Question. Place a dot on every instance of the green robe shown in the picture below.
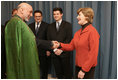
(21, 51)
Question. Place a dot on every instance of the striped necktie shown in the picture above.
(37, 27)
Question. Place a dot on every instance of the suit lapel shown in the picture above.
(40, 27)
(60, 27)
(55, 29)
(33, 27)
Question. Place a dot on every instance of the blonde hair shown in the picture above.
(88, 12)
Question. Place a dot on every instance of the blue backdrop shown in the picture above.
(105, 21)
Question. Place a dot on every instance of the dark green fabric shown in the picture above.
(21, 51)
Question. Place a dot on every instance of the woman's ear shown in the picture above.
(87, 19)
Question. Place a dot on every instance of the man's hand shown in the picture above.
(48, 53)
(58, 51)
(81, 74)
(56, 44)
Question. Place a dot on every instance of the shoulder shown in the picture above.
(32, 23)
(93, 30)
(76, 33)
(66, 22)
(44, 23)
(15, 20)
(52, 24)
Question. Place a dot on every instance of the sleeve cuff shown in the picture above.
(83, 71)
(51, 43)
(60, 46)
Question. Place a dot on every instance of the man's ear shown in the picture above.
(62, 14)
(21, 10)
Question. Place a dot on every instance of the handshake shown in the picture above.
(55, 47)
(56, 44)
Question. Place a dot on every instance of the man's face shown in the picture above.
(57, 15)
(38, 17)
(27, 13)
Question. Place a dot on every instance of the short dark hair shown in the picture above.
(58, 9)
(37, 11)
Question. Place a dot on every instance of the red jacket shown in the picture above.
(86, 44)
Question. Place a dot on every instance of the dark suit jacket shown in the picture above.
(64, 34)
(41, 35)
(3, 53)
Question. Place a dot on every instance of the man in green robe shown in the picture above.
(21, 50)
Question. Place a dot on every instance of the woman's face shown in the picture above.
(81, 19)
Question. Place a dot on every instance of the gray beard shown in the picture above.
(26, 20)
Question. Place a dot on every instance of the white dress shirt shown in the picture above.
(38, 25)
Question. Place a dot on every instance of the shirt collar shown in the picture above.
(85, 25)
(86, 28)
(36, 24)
(59, 21)
(17, 16)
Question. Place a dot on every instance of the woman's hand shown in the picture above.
(81, 74)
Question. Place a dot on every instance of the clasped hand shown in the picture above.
(56, 44)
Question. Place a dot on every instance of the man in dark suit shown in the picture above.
(3, 53)
(39, 28)
(60, 31)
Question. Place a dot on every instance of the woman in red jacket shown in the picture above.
(86, 44)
